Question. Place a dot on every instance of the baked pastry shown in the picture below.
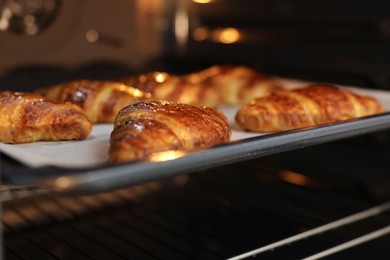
(214, 86)
(100, 100)
(311, 105)
(236, 84)
(27, 117)
(165, 86)
(149, 127)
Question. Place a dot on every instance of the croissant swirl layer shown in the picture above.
(312, 105)
(27, 117)
(149, 127)
(100, 100)
(214, 86)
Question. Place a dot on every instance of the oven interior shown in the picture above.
(228, 211)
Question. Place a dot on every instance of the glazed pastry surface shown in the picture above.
(145, 128)
(100, 100)
(28, 117)
(312, 105)
(214, 86)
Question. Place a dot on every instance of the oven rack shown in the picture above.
(184, 218)
(369, 213)
(11, 192)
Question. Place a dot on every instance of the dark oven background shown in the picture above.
(226, 211)
(335, 41)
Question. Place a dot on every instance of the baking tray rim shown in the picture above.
(112, 176)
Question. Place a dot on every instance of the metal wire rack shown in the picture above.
(194, 217)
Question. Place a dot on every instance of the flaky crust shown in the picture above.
(27, 117)
(149, 127)
(100, 100)
(312, 105)
(214, 86)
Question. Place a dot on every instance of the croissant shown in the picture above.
(100, 100)
(214, 86)
(311, 105)
(236, 84)
(28, 117)
(164, 86)
(150, 127)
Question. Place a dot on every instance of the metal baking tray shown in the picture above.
(111, 176)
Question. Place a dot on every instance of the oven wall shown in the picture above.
(74, 33)
(344, 42)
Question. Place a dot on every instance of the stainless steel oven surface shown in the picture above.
(314, 193)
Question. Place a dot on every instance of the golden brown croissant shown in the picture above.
(27, 117)
(100, 100)
(164, 86)
(155, 126)
(214, 86)
(311, 105)
(236, 84)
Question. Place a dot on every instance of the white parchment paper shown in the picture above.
(73, 154)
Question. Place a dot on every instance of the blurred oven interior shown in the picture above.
(329, 200)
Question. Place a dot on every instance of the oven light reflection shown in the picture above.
(227, 35)
(63, 183)
(181, 24)
(166, 155)
(92, 36)
(294, 178)
(5, 18)
(160, 77)
(133, 91)
(201, 33)
(202, 1)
